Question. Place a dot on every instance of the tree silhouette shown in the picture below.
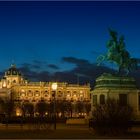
(8, 110)
(41, 108)
(28, 109)
(111, 117)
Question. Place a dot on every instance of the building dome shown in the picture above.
(113, 81)
(13, 70)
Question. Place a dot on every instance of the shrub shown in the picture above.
(112, 118)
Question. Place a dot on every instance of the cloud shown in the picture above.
(85, 67)
(31, 65)
(35, 65)
(53, 66)
(27, 72)
(88, 72)
(33, 75)
(83, 72)
(44, 76)
(75, 61)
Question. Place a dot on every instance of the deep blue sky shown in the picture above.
(33, 33)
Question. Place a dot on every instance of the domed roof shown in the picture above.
(13, 70)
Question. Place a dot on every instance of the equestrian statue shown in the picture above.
(118, 54)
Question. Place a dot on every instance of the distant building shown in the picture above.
(13, 86)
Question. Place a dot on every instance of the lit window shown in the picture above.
(37, 94)
(30, 94)
(4, 84)
(81, 91)
(22, 90)
(23, 94)
(18, 112)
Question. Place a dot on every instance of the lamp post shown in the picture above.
(54, 88)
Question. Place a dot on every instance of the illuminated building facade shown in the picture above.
(13, 86)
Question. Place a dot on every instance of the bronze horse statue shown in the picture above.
(118, 54)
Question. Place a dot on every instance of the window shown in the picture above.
(59, 95)
(30, 94)
(37, 93)
(46, 95)
(22, 90)
(123, 99)
(102, 99)
(94, 99)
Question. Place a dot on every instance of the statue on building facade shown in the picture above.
(118, 54)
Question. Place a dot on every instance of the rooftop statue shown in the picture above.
(118, 54)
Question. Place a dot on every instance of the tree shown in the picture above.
(41, 108)
(2, 115)
(87, 106)
(28, 109)
(112, 118)
(1, 106)
(8, 110)
(69, 108)
(79, 106)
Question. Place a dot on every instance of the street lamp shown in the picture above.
(54, 88)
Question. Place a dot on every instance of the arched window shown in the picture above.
(14, 81)
(30, 93)
(60, 94)
(37, 93)
(102, 99)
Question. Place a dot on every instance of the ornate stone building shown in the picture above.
(13, 86)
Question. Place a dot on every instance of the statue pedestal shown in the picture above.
(121, 88)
